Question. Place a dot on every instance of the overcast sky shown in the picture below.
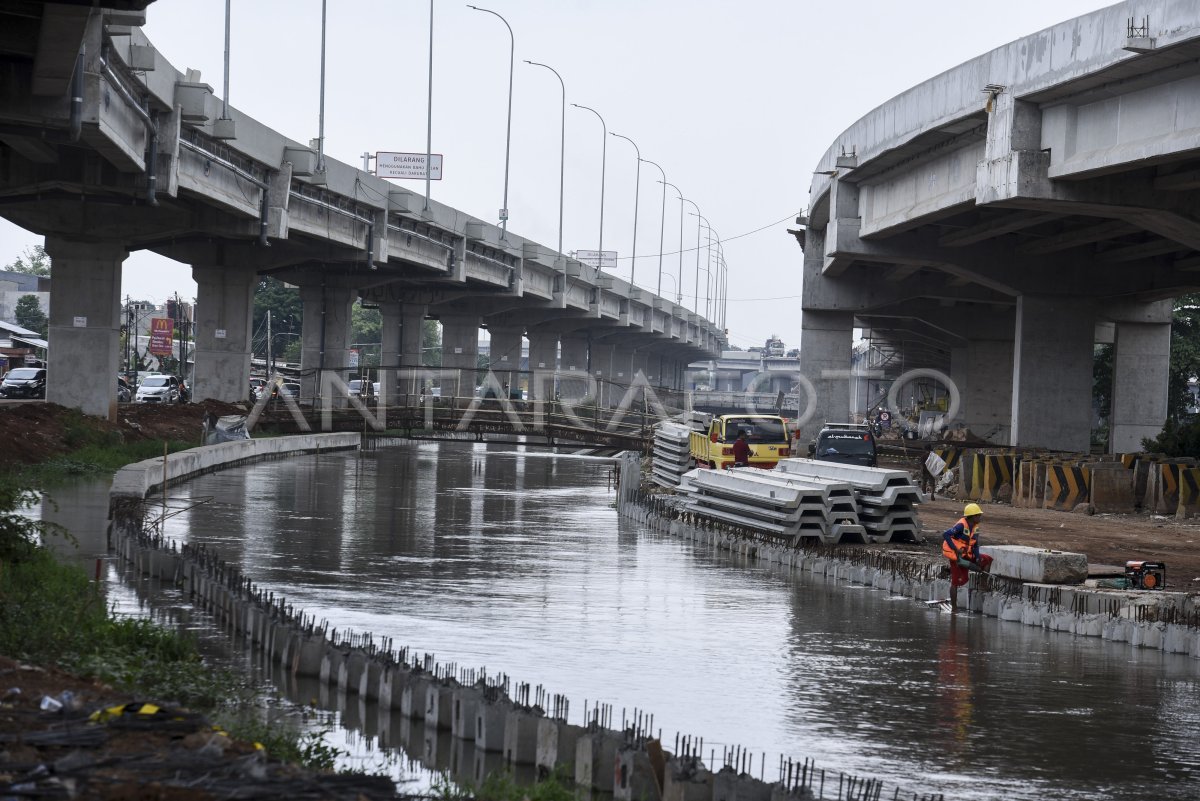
(736, 101)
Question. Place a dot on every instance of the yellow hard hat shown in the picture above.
(972, 509)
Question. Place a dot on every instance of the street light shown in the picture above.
(708, 272)
(661, 220)
(696, 285)
(603, 166)
(512, 47)
(562, 150)
(637, 183)
(678, 289)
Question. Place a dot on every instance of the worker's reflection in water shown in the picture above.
(955, 692)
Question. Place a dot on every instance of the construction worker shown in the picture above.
(741, 451)
(960, 545)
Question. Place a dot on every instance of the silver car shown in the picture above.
(158, 389)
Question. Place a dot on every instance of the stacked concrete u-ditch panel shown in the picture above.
(787, 508)
(672, 450)
(886, 499)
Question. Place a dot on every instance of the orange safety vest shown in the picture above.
(972, 536)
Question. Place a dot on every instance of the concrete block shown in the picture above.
(464, 707)
(491, 718)
(634, 778)
(1111, 487)
(1035, 565)
(595, 758)
(521, 737)
(439, 706)
(413, 697)
(556, 744)
(686, 779)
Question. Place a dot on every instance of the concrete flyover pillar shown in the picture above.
(412, 339)
(1141, 364)
(505, 355)
(85, 325)
(460, 353)
(389, 350)
(603, 357)
(826, 342)
(574, 357)
(543, 361)
(224, 317)
(326, 339)
(1052, 373)
(982, 372)
(400, 355)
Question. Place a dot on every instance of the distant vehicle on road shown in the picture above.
(848, 443)
(158, 388)
(24, 382)
(124, 391)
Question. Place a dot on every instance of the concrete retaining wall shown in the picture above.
(1167, 621)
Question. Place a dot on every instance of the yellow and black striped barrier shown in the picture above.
(1189, 492)
(997, 471)
(1066, 486)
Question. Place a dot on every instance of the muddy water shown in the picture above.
(518, 562)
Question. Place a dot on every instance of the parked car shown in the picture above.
(124, 391)
(291, 388)
(24, 382)
(158, 389)
(849, 443)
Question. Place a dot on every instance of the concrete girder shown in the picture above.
(1075, 237)
(59, 39)
(1020, 180)
(1183, 181)
(1141, 250)
(995, 226)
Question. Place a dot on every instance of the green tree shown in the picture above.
(287, 315)
(1185, 354)
(366, 325)
(431, 344)
(29, 315)
(34, 261)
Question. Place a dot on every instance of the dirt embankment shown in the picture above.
(32, 432)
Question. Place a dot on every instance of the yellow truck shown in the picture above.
(766, 434)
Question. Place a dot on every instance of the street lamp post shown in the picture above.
(662, 217)
(637, 183)
(696, 285)
(562, 150)
(603, 167)
(678, 288)
(707, 262)
(512, 48)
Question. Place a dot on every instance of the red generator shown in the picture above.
(1146, 575)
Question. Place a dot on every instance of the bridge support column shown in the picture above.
(225, 311)
(543, 361)
(460, 352)
(403, 329)
(506, 356)
(602, 370)
(826, 342)
(985, 404)
(1141, 362)
(1052, 374)
(326, 338)
(85, 325)
(575, 359)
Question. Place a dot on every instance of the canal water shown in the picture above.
(491, 556)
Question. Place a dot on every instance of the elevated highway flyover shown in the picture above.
(996, 221)
(106, 148)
